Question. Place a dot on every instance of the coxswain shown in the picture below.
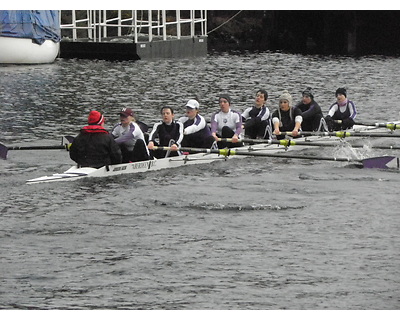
(95, 146)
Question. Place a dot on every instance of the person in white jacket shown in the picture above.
(130, 138)
(196, 132)
(226, 123)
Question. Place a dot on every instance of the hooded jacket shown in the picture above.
(95, 147)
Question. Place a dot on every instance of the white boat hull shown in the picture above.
(24, 51)
(75, 173)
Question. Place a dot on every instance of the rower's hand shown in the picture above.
(150, 145)
(277, 132)
(215, 136)
(235, 138)
(295, 133)
(174, 147)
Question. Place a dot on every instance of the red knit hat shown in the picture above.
(95, 117)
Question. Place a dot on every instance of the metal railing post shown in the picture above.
(150, 25)
(89, 24)
(164, 20)
(94, 26)
(191, 24)
(178, 24)
(74, 37)
(135, 28)
(104, 23)
(119, 23)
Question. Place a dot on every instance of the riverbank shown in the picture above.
(310, 32)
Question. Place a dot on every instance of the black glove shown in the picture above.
(329, 122)
(347, 123)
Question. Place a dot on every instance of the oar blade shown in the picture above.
(3, 151)
(377, 162)
(66, 140)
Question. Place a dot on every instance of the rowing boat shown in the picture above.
(202, 156)
(75, 172)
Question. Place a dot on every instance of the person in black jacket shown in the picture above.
(94, 146)
(310, 111)
(343, 111)
(286, 118)
(166, 133)
(257, 119)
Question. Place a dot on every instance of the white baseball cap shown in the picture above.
(192, 104)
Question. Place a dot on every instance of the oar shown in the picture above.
(4, 149)
(389, 125)
(377, 162)
(65, 142)
(344, 134)
(289, 142)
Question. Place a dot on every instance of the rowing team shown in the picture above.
(129, 141)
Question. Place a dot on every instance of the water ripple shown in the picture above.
(254, 233)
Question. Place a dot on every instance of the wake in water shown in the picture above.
(346, 150)
(227, 207)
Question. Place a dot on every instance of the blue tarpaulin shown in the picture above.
(38, 25)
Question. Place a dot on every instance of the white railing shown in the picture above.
(141, 25)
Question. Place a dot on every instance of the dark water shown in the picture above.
(241, 234)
